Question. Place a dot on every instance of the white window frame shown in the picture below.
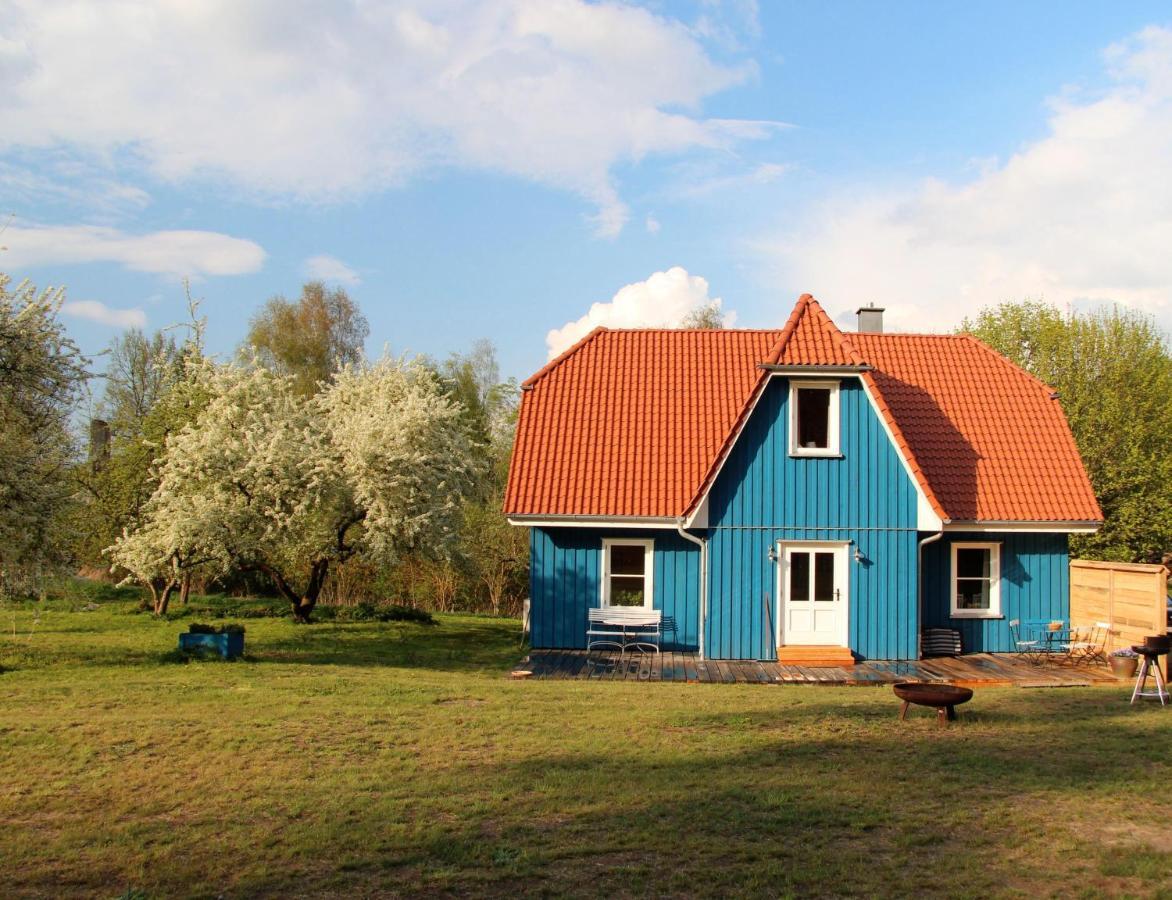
(994, 610)
(648, 545)
(832, 412)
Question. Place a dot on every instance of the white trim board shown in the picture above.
(994, 609)
(648, 545)
(833, 448)
(590, 522)
(1025, 527)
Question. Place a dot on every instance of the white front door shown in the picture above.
(814, 593)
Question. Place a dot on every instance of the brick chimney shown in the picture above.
(870, 318)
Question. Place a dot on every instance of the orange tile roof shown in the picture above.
(626, 423)
(636, 422)
(810, 338)
(991, 440)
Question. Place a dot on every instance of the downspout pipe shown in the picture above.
(703, 545)
(930, 539)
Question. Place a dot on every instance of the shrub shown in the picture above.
(378, 612)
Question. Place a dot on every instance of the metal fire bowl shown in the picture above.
(928, 694)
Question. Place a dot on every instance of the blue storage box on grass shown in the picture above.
(229, 645)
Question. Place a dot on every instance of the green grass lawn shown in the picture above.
(381, 759)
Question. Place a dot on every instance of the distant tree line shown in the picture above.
(298, 469)
(1112, 369)
(303, 470)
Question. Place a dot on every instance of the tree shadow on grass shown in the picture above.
(450, 647)
(892, 811)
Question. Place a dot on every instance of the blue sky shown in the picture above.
(525, 169)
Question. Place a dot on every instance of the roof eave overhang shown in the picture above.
(1040, 526)
(814, 370)
(574, 521)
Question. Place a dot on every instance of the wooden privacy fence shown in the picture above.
(1131, 596)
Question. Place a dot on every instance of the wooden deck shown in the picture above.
(971, 670)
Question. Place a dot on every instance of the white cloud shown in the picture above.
(336, 99)
(652, 225)
(103, 314)
(330, 268)
(1081, 216)
(661, 301)
(178, 253)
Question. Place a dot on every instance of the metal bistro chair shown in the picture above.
(1030, 650)
(1088, 644)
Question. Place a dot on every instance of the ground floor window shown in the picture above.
(976, 580)
(626, 572)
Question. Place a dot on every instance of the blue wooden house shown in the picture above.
(796, 493)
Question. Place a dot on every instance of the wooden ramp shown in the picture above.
(971, 670)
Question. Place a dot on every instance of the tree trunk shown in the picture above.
(185, 589)
(302, 605)
(163, 600)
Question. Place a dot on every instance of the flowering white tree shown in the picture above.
(267, 479)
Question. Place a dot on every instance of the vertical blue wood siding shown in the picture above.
(1035, 584)
(764, 495)
(564, 581)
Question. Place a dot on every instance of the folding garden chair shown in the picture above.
(1031, 650)
(1088, 644)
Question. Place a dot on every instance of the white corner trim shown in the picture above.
(648, 545)
(699, 516)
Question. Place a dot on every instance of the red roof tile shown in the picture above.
(810, 338)
(990, 439)
(635, 423)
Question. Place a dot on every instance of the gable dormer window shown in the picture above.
(813, 418)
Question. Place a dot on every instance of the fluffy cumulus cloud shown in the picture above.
(104, 315)
(1081, 216)
(331, 269)
(661, 301)
(336, 99)
(175, 253)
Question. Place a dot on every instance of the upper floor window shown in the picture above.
(976, 580)
(813, 421)
(626, 572)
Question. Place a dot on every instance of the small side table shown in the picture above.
(1150, 666)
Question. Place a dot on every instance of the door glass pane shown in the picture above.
(626, 590)
(973, 562)
(823, 577)
(627, 559)
(813, 417)
(799, 577)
